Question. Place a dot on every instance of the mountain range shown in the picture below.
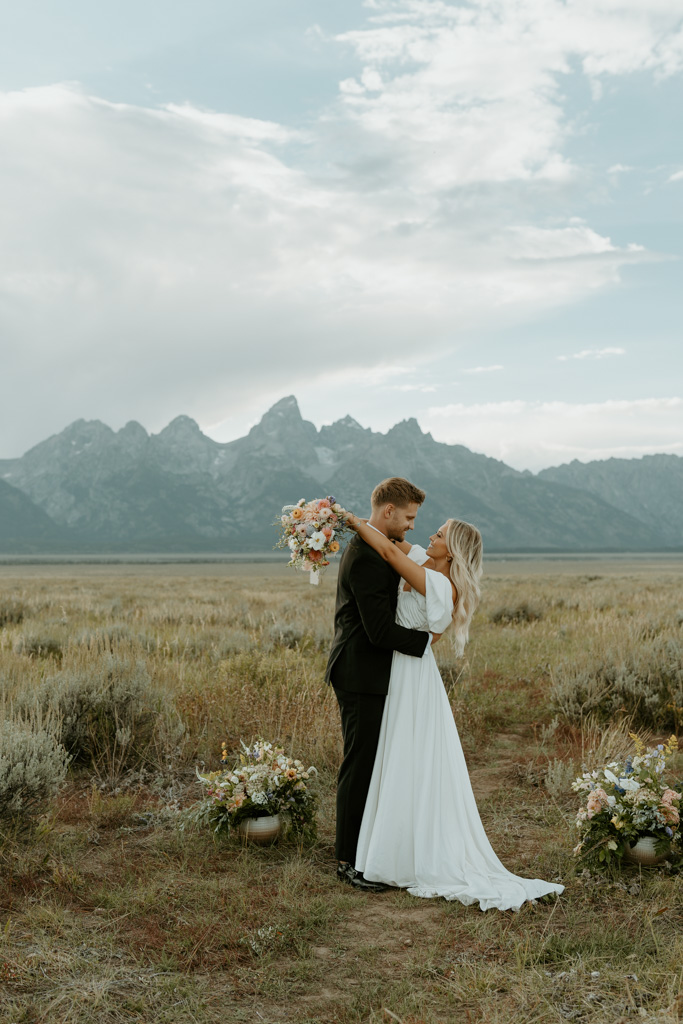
(92, 489)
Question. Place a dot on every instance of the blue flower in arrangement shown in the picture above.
(332, 500)
(669, 831)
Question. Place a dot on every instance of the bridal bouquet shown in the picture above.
(264, 782)
(624, 801)
(310, 529)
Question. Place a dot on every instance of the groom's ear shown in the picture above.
(388, 510)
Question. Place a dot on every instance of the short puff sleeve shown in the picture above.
(439, 600)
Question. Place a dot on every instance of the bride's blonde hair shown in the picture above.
(465, 548)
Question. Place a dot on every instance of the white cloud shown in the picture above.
(165, 259)
(483, 369)
(472, 93)
(677, 176)
(533, 435)
(594, 353)
(159, 259)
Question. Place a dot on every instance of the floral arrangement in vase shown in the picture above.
(311, 531)
(626, 802)
(265, 782)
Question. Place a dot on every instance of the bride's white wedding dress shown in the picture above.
(421, 829)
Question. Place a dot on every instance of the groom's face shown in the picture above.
(400, 520)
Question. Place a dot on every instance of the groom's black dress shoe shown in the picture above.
(347, 873)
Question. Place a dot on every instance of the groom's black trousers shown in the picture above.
(361, 718)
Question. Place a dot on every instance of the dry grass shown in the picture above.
(111, 913)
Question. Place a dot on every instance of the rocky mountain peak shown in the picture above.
(133, 431)
(86, 431)
(181, 426)
(286, 406)
(283, 425)
(348, 421)
(80, 436)
(285, 413)
(406, 428)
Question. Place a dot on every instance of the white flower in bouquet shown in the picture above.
(625, 783)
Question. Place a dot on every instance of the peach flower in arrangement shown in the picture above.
(671, 814)
(596, 802)
(334, 547)
(297, 513)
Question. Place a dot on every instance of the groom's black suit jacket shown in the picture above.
(365, 630)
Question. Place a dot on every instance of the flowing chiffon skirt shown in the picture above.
(421, 829)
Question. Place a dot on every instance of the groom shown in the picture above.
(359, 665)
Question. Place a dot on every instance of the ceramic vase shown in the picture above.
(261, 830)
(643, 852)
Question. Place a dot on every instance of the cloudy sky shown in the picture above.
(466, 212)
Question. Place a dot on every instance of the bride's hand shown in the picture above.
(353, 521)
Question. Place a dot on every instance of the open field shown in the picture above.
(111, 912)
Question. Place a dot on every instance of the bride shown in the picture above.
(421, 829)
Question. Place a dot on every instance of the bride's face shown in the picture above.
(438, 549)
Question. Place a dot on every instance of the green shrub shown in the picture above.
(645, 683)
(33, 766)
(38, 645)
(107, 712)
(522, 612)
(12, 612)
(558, 778)
(236, 641)
(284, 634)
(105, 638)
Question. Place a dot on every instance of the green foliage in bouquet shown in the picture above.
(264, 782)
(624, 801)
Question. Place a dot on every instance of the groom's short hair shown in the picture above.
(396, 491)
